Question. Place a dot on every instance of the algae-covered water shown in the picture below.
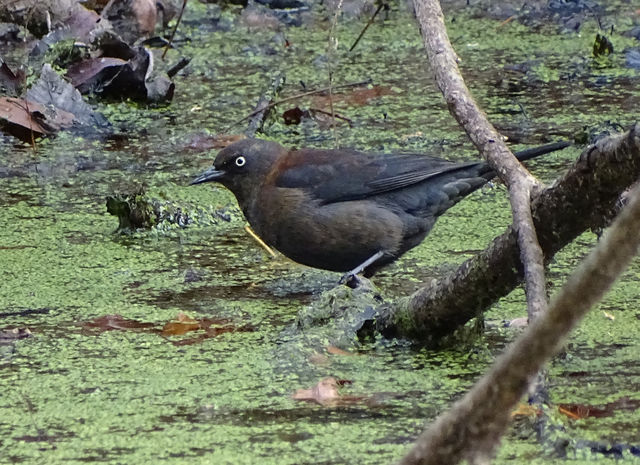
(90, 386)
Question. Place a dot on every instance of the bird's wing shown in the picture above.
(341, 175)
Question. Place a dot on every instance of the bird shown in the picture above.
(341, 209)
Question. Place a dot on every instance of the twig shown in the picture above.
(472, 428)
(175, 28)
(295, 97)
(106, 8)
(33, 139)
(489, 142)
(369, 23)
(263, 109)
(175, 69)
(507, 21)
(579, 200)
(331, 50)
(31, 409)
(335, 115)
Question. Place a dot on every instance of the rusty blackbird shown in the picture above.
(344, 210)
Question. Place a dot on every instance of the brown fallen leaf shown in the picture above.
(580, 411)
(206, 328)
(208, 334)
(337, 351)
(115, 322)
(325, 392)
(83, 73)
(357, 97)
(24, 118)
(181, 325)
(132, 19)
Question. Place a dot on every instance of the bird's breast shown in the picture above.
(336, 236)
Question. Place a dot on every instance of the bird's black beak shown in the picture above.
(212, 174)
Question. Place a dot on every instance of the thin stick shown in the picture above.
(33, 139)
(369, 23)
(336, 115)
(331, 49)
(262, 110)
(295, 97)
(175, 28)
(333, 113)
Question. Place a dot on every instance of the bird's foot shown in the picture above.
(350, 279)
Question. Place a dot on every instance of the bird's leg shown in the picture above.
(350, 278)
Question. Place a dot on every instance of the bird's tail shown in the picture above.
(528, 154)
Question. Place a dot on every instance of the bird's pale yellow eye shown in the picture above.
(240, 161)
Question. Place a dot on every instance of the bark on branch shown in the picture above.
(578, 201)
(472, 428)
(520, 182)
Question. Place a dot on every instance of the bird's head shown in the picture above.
(243, 166)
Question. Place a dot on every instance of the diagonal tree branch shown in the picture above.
(520, 182)
(472, 428)
(576, 202)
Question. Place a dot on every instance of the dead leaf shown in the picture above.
(325, 392)
(84, 73)
(25, 118)
(294, 115)
(10, 82)
(357, 97)
(115, 322)
(182, 325)
(337, 351)
(52, 91)
(132, 19)
(580, 411)
(81, 22)
(209, 327)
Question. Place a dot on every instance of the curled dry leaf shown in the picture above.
(84, 72)
(325, 392)
(24, 119)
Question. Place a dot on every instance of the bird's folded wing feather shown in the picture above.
(352, 175)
